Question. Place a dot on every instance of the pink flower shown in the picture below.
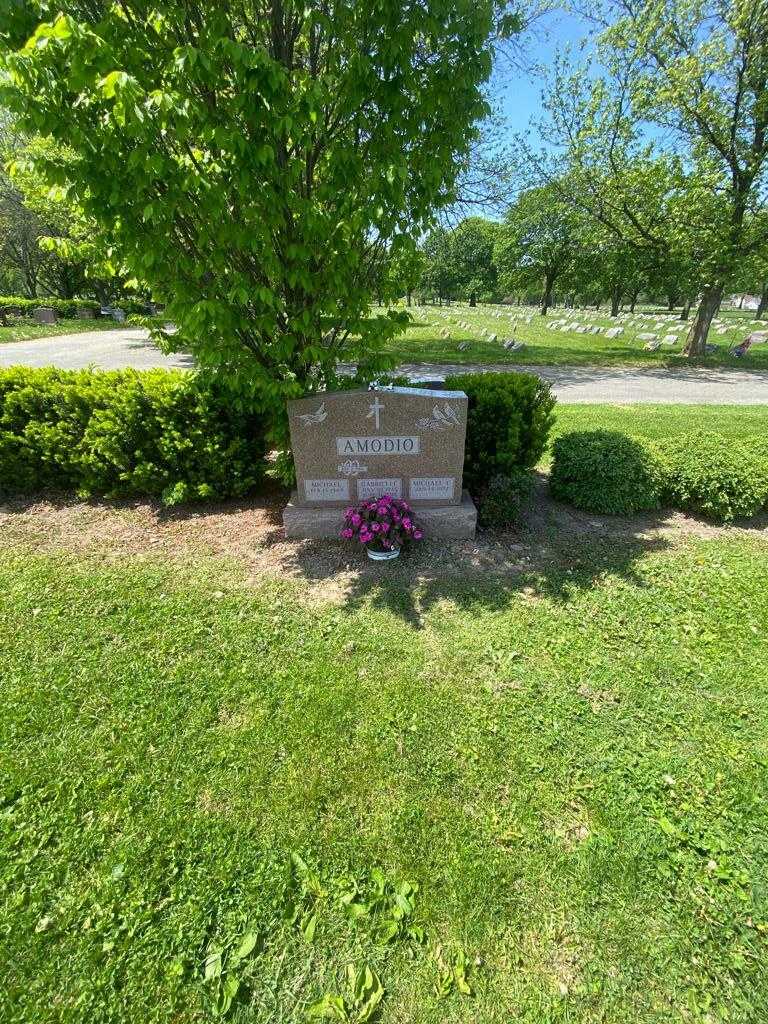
(375, 527)
(355, 519)
(417, 534)
(347, 533)
(385, 527)
(407, 524)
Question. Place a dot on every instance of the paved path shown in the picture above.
(114, 350)
(108, 350)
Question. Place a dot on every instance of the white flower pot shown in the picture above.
(383, 556)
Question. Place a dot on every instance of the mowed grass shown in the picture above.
(568, 764)
(658, 422)
(423, 341)
(26, 330)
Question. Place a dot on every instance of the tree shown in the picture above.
(405, 270)
(695, 191)
(754, 278)
(538, 243)
(438, 276)
(256, 163)
(703, 75)
(618, 268)
(46, 244)
(458, 262)
(471, 251)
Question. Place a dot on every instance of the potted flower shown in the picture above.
(382, 525)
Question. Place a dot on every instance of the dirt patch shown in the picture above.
(554, 537)
(573, 828)
(598, 699)
(563, 966)
(210, 805)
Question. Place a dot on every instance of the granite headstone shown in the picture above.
(351, 445)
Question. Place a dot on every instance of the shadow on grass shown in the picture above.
(557, 555)
(582, 352)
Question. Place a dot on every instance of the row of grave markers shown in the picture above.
(668, 325)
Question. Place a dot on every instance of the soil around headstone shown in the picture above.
(554, 541)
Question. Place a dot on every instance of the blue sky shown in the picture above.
(518, 92)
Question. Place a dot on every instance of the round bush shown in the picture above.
(508, 423)
(606, 471)
(718, 477)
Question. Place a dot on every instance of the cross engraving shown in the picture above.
(376, 406)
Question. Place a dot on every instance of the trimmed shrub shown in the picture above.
(508, 423)
(66, 308)
(157, 432)
(606, 471)
(724, 479)
(505, 499)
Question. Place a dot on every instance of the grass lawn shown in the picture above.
(657, 422)
(545, 346)
(537, 796)
(26, 330)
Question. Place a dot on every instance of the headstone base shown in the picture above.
(450, 522)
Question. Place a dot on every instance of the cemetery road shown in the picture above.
(118, 349)
(130, 347)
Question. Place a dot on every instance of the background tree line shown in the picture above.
(547, 253)
(48, 247)
(652, 175)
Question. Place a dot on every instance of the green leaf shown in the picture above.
(246, 947)
(308, 927)
(110, 83)
(227, 993)
(330, 1006)
(212, 965)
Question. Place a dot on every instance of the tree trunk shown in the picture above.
(546, 300)
(741, 302)
(615, 301)
(686, 310)
(762, 309)
(696, 343)
(408, 298)
(633, 301)
(472, 300)
(30, 282)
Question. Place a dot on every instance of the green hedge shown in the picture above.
(66, 308)
(610, 472)
(155, 432)
(718, 478)
(508, 423)
(605, 471)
